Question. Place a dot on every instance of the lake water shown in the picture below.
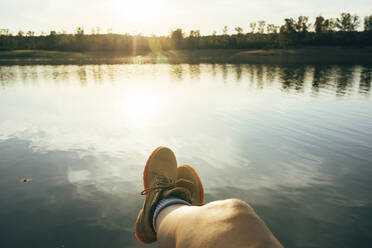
(293, 141)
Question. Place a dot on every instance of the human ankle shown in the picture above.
(175, 210)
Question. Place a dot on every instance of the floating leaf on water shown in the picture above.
(25, 180)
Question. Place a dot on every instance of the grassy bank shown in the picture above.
(298, 55)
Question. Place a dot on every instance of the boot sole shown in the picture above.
(201, 188)
(144, 178)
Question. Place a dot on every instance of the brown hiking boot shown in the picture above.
(188, 174)
(159, 180)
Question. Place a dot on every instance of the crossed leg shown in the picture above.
(226, 223)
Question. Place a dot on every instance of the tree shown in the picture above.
(177, 34)
(30, 33)
(302, 24)
(293, 32)
(261, 27)
(318, 24)
(177, 37)
(239, 30)
(347, 22)
(224, 30)
(368, 23)
(322, 25)
(271, 29)
(214, 40)
(287, 34)
(79, 31)
(252, 26)
(195, 33)
(225, 39)
(289, 26)
(193, 39)
(329, 25)
(4, 31)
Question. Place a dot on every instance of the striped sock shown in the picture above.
(166, 203)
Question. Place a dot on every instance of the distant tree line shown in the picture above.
(341, 31)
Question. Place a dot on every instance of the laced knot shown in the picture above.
(164, 183)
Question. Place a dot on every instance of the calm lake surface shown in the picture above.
(293, 141)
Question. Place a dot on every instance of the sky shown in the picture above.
(160, 16)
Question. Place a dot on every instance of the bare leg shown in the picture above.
(227, 223)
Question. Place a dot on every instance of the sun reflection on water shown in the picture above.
(138, 108)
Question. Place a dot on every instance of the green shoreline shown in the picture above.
(295, 55)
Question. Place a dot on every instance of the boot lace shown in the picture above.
(164, 183)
